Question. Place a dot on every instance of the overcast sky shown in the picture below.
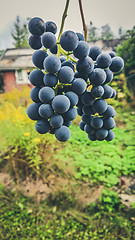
(114, 12)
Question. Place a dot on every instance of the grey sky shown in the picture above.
(114, 12)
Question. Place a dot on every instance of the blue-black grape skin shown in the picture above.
(89, 129)
(79, 86)
(82, 50)
(52, 64)
(88, 110)
(80, 75)
(67, 123)
(54, 49)
(56, 121)
(34, 94)
(80, 37)
(100, 106)
(114, 93)
(85, 66)
(108, 91)
(103, 60)
(73, 97)
(61, 104)
(110, 136)
(65, 75)
(70, 115)
(36, 26)
(50, 80)
(48, 40)
(82, 125)
(42, 126)
(96, 122)
(101, 133)
(68, 63)
(62, 58)
(80, 104)
(109, 123)
(51, 27)
(63, 134)
(45, 111)
(97, 77)
(97, 91)
(110, 112)
(87, 98)
(86, 118)
(79, 111)
(117, 64)
(32, 111)
(112, 54)
(35, 42)
(109, 76)
(46, 94)
(94, 52)
(69, 41)
(36, 78)
(92, 137)
(38, 58)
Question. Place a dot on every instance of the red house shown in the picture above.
(15, 66)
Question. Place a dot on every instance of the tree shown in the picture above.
(20, 34)
(106, 32)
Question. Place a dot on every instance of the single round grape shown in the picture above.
(48, 40)
(108, 91)
(100, 106)
(34, 94)
(56, 121)
(112, 54)
(97, 91)
(46, 94)
(73, 98)
(54, 49)
(88, 110)
(117, 64)
(92, 137)
(42, 126)
(36, 78)
(79, 86)
(70, 115)
(82, 125)
(85, 66)
(38, 58)
(82, 50)
(36, 26)
(80, 37)
(114, 93)
(51, 27)
(86, 118)
(61, 104)
(96, 122)
(101, 133)
(52, 64)
(110, 112)
(67, 123)
(87, 98)
(79, 111)
(32, 111)
(110, 136)
(109, 123)
(63, 134)
(103, 60)
(69, 40)
(65, 75)
(109, 76)
(89, 129)
(50, 80)
(45, 111)
(97, 77)
(35, 42)
(94, 52)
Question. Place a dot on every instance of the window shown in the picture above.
(21, 76)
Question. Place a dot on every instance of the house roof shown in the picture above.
(16, 58)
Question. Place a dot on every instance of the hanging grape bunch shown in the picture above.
(71, 78)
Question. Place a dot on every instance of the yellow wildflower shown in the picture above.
(36, 140)
(26, 134)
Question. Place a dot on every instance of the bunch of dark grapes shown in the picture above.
(66, 86)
